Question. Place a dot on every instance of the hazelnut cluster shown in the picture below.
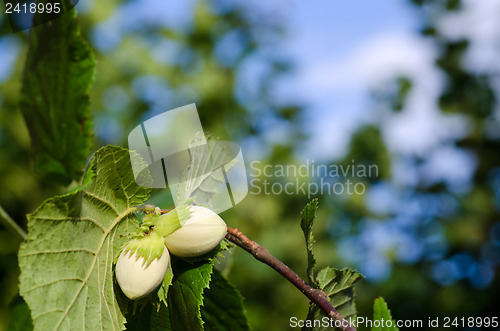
(189, 232)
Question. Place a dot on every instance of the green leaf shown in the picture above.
(200, 298)
(382, 312)
(185, 295)
(149, 319)
(339, 287)
(223, 306)
(307, 216)
(54, 98)
(67, 260)
(162, 293)
(184, 300)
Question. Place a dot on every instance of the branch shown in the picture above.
(10, 224)
(317, 296)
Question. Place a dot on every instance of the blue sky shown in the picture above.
(329, 33)
(325, 29)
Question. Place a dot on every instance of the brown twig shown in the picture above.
(11, 225)
(262, 254)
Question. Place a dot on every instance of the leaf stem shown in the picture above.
(317, 296)
(10, 224)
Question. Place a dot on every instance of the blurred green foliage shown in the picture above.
(134, 81)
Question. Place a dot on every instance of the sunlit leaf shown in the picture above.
(339, 287)
(67, 260)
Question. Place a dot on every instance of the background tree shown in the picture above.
(439, 232)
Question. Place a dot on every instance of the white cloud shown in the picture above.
(478, 22)
(378, 62)
(453, 165)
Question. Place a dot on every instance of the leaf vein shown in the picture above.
(75, 250)
(95, 197)
(104, 281)
(88, 219)
(112, 288)
(54, 282)
(47, 312)
(115, 222)
(121, 181)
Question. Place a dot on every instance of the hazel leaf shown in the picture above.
(66, 262)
